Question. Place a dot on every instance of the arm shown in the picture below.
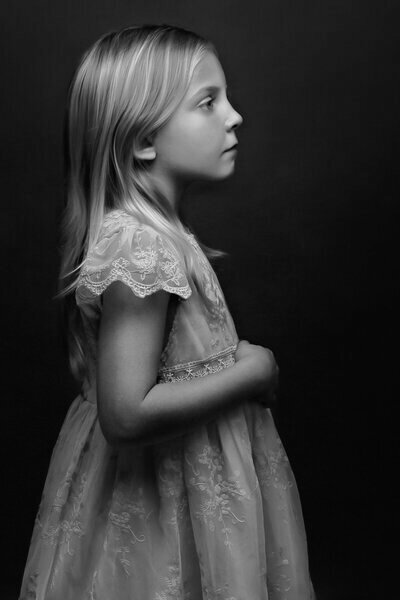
(133, 408)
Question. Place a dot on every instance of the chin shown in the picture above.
(227, 172)
(223, 173)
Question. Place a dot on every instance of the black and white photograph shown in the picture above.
(199, 299)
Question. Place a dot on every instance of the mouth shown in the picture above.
(231, 148)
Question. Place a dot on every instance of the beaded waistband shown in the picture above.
(198, 368)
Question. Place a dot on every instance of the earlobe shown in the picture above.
(145, 153)
(148, 152)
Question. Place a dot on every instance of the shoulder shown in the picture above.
(135, 254)
(119, 229)
(123, 226)
(116, 222)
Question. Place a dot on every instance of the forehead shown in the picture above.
(208, 72)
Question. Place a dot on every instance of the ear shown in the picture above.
(146, 152)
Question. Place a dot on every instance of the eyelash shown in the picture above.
(212, 99)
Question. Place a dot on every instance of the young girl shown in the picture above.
(168, 480)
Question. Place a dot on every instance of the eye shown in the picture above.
(209, 104)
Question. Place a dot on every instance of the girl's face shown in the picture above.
(192, 145)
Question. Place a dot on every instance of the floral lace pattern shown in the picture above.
(172, 584)
(221, 593)
(218, 316)
(216, 492)
(127, 512)
(64, 531)
(273, 468)
(171, 485)
(213, 514)
(141, 259)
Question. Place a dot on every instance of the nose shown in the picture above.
(234, 119)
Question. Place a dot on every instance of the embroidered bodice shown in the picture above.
(202, 340)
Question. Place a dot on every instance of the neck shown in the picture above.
(172, 188)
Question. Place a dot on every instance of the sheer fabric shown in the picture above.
(211, 515)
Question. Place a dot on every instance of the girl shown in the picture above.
(168, 480)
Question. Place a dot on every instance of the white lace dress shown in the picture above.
(212, 515)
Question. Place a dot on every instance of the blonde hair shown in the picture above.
(126, 87)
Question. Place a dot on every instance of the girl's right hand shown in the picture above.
(264, 371)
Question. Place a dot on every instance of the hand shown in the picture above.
(265, 371)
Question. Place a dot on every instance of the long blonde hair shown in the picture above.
(126, 87)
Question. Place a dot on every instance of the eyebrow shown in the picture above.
(209, 89)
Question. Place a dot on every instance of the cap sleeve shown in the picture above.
(138, 256)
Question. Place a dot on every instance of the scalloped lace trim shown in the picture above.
(120, 272)
(149, 267)
(198, 368)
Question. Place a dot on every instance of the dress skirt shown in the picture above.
(212, 515)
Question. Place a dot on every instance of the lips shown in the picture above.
(231, 148)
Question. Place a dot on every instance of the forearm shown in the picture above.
(172, 409)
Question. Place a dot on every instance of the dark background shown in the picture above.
(309, 219)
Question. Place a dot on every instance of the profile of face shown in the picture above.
(193, 144)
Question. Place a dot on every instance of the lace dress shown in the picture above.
(211, 515)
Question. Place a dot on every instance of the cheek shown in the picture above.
(199, 134)
(193, 139)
